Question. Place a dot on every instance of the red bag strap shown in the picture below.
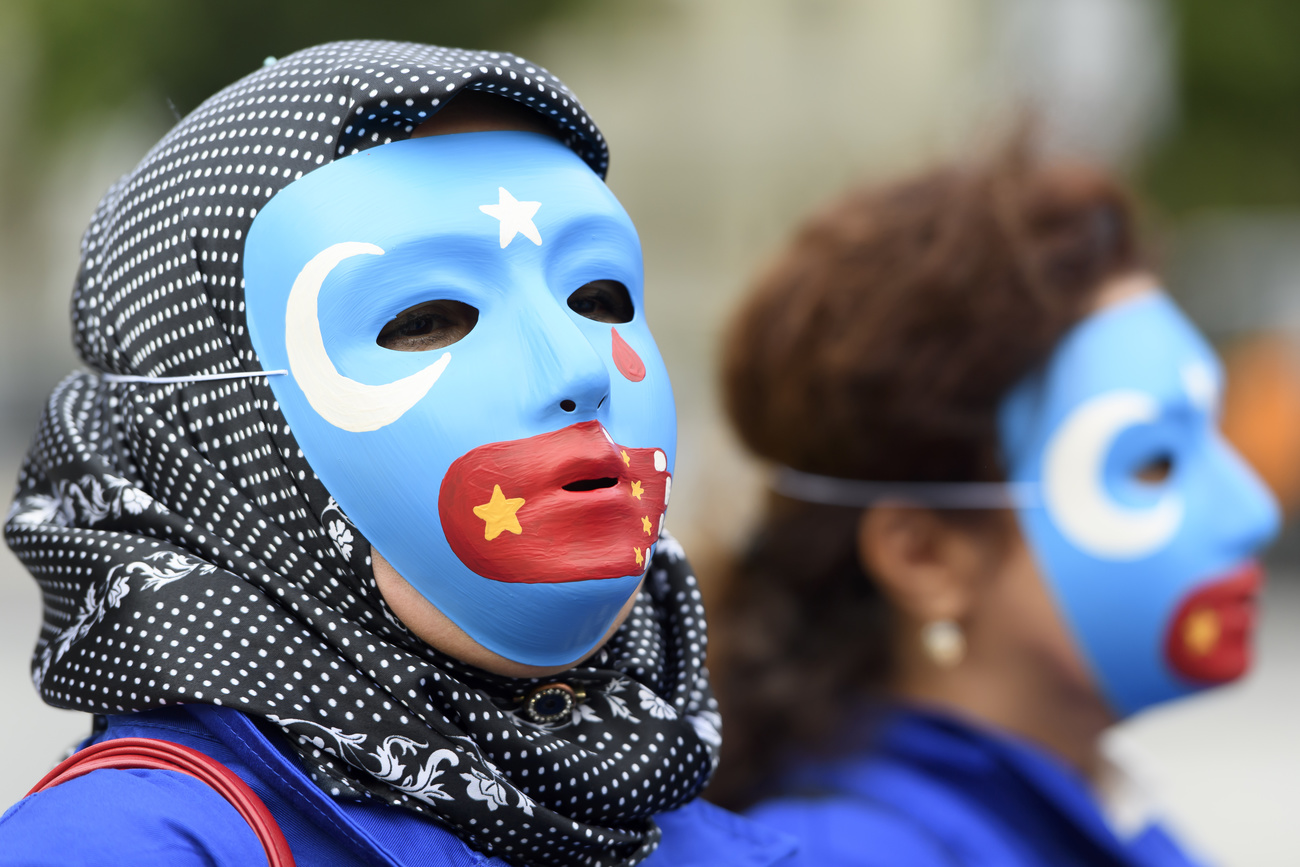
(151, 754)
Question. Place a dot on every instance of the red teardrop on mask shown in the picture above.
(626, 360)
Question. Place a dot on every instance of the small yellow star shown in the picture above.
(645, 524)
(639, 558)
(499, 514)
(636, 490)
(1202, 631)
(626, 460)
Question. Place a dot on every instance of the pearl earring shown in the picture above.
(944, 643)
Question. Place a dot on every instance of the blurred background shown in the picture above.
(729, 120)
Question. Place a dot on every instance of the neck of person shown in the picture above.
(1009, 691)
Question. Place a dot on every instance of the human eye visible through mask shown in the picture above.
(428, 325)
(602, 301)
(1155, 470)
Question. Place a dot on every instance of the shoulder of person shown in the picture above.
(127, 817)
(703, 835)
(851, 831)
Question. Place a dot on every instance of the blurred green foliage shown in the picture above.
(98, 55)
(1237, 140)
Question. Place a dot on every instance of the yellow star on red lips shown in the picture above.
(639, 559)
(498, 514)
(1202, 631)
(636, 490)
(627, 462)
(645, 525)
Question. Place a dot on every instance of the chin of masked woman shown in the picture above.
(363, 491)
(1008, 521)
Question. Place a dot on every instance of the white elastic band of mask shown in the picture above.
(859, 494)
(200, 377)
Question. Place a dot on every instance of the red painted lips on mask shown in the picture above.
(570, 505)
(1209, 640)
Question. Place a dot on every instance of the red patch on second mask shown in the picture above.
(1209, 638)
(626, 360)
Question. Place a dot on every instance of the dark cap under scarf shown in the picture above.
(188, 553)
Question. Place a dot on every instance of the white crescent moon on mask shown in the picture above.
(1074, 488)
(344, 403)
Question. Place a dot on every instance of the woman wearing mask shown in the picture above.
(1004, 520)
(362, 493)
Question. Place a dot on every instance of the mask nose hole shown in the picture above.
(568, 405)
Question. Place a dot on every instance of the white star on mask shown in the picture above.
(516, 217)
(1201, 384)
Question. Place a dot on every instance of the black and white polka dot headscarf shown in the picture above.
(187, 552)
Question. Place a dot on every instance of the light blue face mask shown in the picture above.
(518, 477)
(1149, 519)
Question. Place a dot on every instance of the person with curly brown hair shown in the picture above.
(1003, 519)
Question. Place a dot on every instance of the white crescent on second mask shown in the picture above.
(1074, 491)
(343, 402)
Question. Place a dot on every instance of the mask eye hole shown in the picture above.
(1156, 470)
(602, 301)
(430, 325)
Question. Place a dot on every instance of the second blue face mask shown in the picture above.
(518, 476)
(1149, 520)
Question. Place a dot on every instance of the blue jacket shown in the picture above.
(934, 792)
(114, 817)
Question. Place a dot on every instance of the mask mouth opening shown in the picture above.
(590, 485)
